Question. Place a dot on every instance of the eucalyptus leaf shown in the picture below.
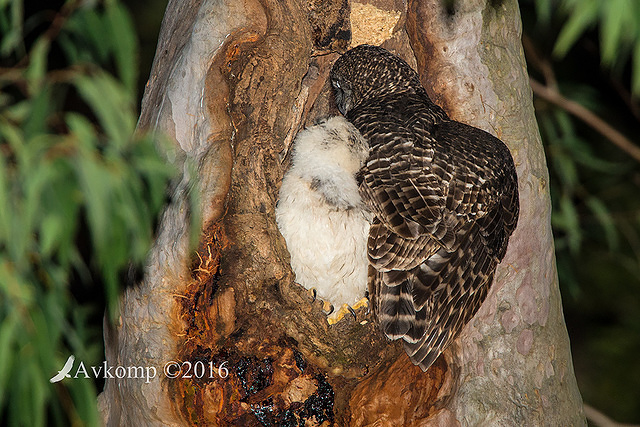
(603, 215)
(37, 68)
(635, 79)
(581, 18)
(571, 222)
(613, 28)
(35, 122)
(112, 105)
(9, 328)
(125, 45)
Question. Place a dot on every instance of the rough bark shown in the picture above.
(232, 84)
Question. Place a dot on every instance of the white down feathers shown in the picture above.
(321, 215)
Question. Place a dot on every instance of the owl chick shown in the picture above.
(444, 196)
(321, 215)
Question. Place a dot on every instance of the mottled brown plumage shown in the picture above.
(445, 199)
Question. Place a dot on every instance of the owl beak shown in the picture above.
(343, 98)
(341, 108)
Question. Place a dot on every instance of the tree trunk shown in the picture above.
(232, 84)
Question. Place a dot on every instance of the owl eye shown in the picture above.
(336, 84)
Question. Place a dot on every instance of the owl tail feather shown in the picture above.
(429, 305)
(395, 307)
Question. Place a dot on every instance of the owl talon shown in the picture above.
(314, 295)
(338, 315)
(364, 302)
(347, 309)
(327, 308)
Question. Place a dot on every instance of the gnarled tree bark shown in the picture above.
(232, 84)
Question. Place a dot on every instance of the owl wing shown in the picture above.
(445, 203)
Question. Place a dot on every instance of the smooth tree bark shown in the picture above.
(232, 84)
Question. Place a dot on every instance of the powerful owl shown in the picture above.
(444, 196)
(321, 215)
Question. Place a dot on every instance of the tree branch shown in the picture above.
(554, 97)
(600, 419)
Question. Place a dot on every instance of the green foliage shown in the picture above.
(618, 23)
(69, 165)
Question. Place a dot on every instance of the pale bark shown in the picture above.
(514, 356)
(232, 84)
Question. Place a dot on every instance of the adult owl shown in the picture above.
(444, 197)
(321, 215)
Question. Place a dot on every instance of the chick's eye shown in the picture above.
(336, 84)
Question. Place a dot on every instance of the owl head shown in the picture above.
(367, 72)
